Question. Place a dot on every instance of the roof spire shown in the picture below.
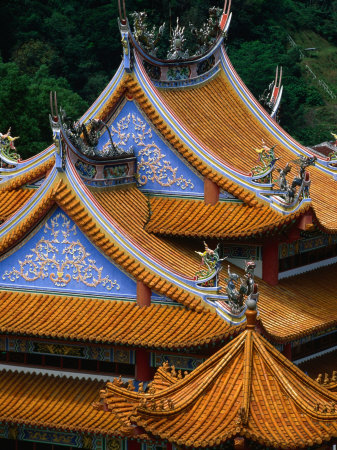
(122, 14)
(251, 311)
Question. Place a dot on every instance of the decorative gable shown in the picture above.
(160, 169)
(59, 257)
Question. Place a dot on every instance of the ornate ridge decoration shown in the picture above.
(148, 39)
(241, 288)
(267, 159)
(75, 265)
(86, 139)
(210, 266)
(205, 36)
(151, 166)
(302, 181)
(7, 147)
(263, 173)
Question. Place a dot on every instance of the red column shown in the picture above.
(143, 369)
(133, 445)
(287, 350)
(143, 294)
(270, 263)
(169, 446)
(211, 192)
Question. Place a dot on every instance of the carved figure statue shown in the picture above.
(267, 158)
(148, 39)
(177, 42)
(239, 288)
(210, 262)
(207, 35)
(86, 139)
(302, 181)
(7, 145)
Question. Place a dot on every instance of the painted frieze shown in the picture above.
(159, 168)
(59, 257)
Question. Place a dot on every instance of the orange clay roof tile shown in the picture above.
(246, 389)
(11, 201)
(297, 306)
(54, 402)
(219, 118)
(28, 177)
(108, 321)
(224, 220)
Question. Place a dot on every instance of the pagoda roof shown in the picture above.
(246, 389)
(55, 402)
(183, 217)
(108, 321)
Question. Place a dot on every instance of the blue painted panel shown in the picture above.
(159, 168)
(59, 257)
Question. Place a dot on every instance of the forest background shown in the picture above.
(74, 47)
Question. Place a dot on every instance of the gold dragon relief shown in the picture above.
(61, 259)
(152, 164)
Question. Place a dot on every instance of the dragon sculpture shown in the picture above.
(207, 35)
(86, 140)
(177, 42)
(7, 146)
(301, 181)
(240, 289)
(210, 265)
(148, 39)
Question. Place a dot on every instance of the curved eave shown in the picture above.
(109, 322)
(124, 250)
(227, 396)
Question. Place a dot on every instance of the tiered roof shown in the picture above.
(108, 321)
(225, 220)
(246, 389)
(55, 402)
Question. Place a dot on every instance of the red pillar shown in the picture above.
(133, 445)
(143, 369)
(270, 263)
(287, 350)
(169, 446)
(211, 192)
(143, 294)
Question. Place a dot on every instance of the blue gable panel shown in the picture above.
(159, 168)
(59, 257)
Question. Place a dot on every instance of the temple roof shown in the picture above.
(182, 217)
(108, 321)
(246, 389)
(54, 402)
(11, 201)
(218, 117)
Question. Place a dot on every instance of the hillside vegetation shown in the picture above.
(74, 47)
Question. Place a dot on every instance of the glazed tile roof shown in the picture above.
(130, 209)
(181, 217)
(298, 306)
(219, 118)
(246, 389)
(108, 321)
(54, 402)
(28, 176)
(11, 201)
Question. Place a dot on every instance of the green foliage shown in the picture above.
(24, 105)
(74, 46)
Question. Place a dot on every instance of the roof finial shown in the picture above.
(122, 14)
(251, 312)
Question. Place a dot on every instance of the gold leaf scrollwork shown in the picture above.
(152, 165)
(45, 262)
